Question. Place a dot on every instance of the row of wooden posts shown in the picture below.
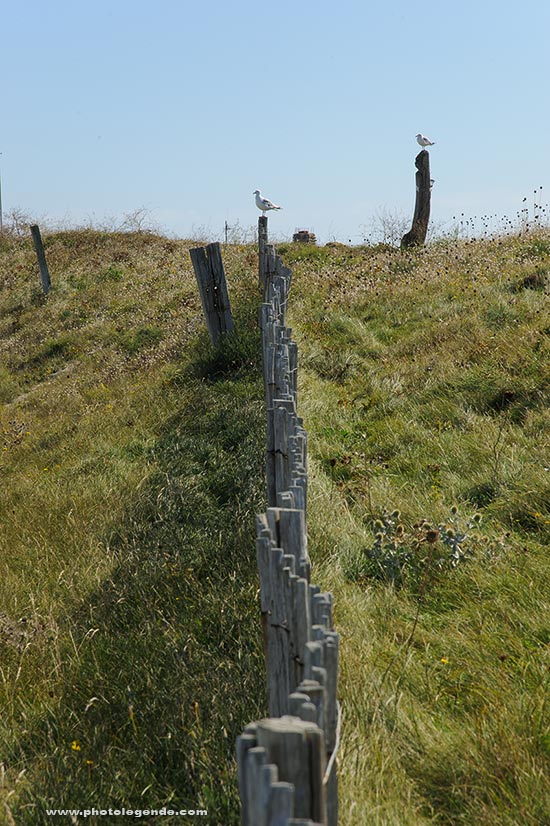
(286, 762)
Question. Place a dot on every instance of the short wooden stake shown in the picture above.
(41, 256)
(297, 748)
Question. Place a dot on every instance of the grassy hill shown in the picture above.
(132, 461)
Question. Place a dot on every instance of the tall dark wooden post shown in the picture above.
(421, 218)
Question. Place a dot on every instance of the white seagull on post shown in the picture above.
(423, 140)
(264, 203)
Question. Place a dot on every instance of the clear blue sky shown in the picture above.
(187, 107)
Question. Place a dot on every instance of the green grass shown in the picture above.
(133, 458)
(132, 461)
(424, 384)
(139, 671)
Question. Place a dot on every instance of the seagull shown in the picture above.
(423, 140)
(264, 203)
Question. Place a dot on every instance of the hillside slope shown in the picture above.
(132, 462)
(424, 385)
(132, 467)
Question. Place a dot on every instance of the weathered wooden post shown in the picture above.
(281, 766)
(41, 256)
(262, 244)
(210, 275)
(417, 234)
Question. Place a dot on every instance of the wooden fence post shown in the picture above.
(285, 755)
(210, 275)
(41, 256)
(417, 234)
(262, 244)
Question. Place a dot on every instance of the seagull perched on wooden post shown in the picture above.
(264, 203)
(423, 140)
